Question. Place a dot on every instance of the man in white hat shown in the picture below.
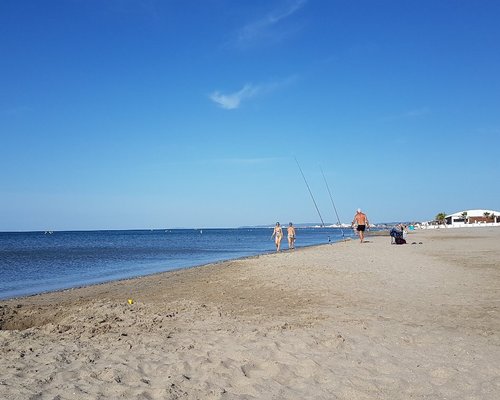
(361, 221)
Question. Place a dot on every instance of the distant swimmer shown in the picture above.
(361, 222)
(278, 235)
(291, 236)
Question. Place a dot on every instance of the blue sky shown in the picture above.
(118, 114)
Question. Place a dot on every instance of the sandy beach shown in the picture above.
(342, 321)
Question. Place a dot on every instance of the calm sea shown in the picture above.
(36, 262)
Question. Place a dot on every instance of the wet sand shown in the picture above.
(342, 321)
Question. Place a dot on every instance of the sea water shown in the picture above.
(36, 262)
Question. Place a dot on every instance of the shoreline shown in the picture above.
(366, 321)
(131, 268)
(131, 280)
(182, 268)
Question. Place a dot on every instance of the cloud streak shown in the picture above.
(265, 27)
(16, 110)
(420, 112)
(250, 161)
(231, 101)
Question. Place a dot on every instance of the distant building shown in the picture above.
(473, 217)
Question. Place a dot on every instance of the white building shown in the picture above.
(474, 218)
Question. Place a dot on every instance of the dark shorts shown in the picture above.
(361, 228)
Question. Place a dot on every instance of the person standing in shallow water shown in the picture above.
(361, 221)
(278, 235)
(291, 236)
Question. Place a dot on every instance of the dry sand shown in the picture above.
(343, 321)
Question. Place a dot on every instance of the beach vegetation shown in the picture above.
(441, 217)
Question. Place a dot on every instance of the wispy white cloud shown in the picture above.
(418, 112)
(225, 161)
(231, 101)
(266, 27)
(146, 7)
(250, 160)
(16, 110)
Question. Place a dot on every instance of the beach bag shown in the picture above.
(400, 240)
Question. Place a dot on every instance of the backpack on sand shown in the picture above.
(400, 240)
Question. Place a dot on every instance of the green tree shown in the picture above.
(440, 218)
(464, 216)
(486, 215)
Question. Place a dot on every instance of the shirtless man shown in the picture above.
(361, 221)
